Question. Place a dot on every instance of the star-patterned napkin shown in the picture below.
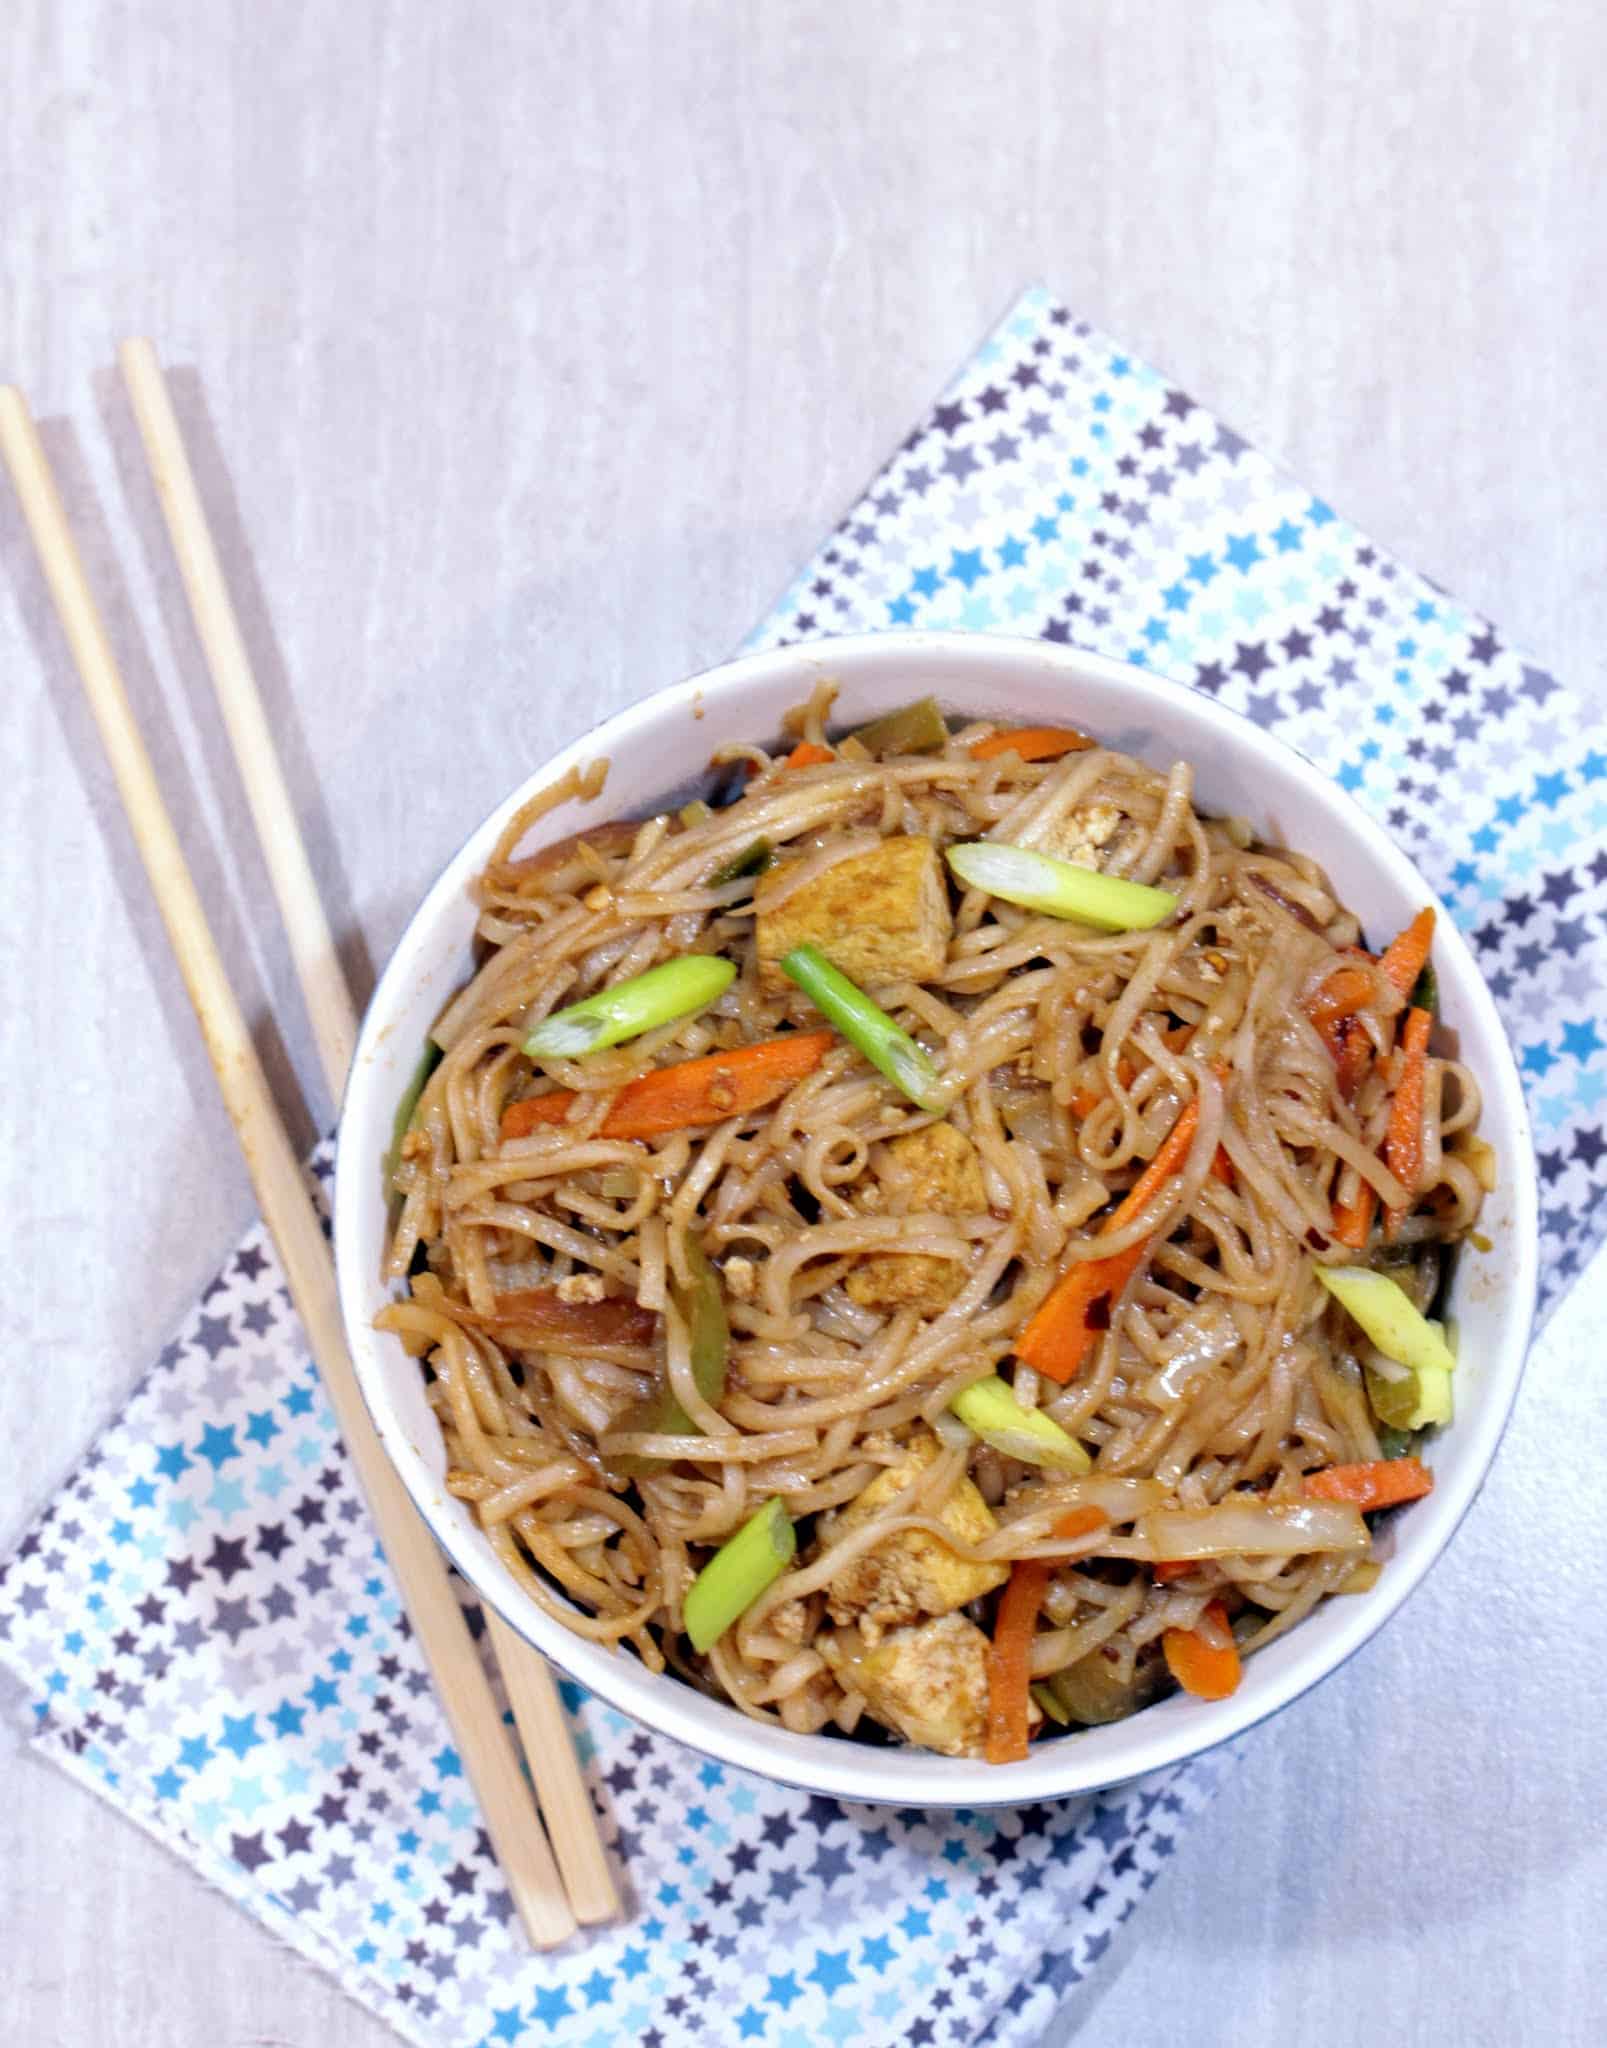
(204, 1625)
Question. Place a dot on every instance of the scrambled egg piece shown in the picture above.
(912, 1573)
(932, 1170)
(930, 1683)
(1079, 836)
(880, 916)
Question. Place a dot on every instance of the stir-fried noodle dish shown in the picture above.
(937, 1240)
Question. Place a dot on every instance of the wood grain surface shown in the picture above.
(526, 350)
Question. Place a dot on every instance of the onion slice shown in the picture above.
(1253, 1528)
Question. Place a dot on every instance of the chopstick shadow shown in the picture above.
(178, 787)
(216, 487)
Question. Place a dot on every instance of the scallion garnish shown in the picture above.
(430, 1059)
(702, 1308)
(866, 1025)
(1059, 888)
(918, 728)
(752, 860)
(629, 1008)
(1388, 1315)
(737, 1573)
(992, 1410)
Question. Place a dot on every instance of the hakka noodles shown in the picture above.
(941, 1244)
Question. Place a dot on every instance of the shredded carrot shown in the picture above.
(691, 1093)
(1173, 1568)
(1222, 1169)
(1010, 1661)
(1201, 1666)
(1033, 743)
(1174, 1149)
(808, 755)
(1079, 1305)
(1404, 959)
(1383, 1484)
(1010, 1653)
(1403, 1140)
(1086, 1098)
(1077, 1522)
(1353, 1221)
(1338, 998)
(1355, 1055)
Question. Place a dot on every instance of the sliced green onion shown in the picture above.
(429, 1060)
(992, 1410)
(1059, 888)
(696, 813)
(918, 728)
(1384, 1310)
(737, 1573)
(631, 1007)
(753, 860)
(1049, 1701)
(866, 1025)
(1419, 1399)
(701, 1307)
(1426, 990)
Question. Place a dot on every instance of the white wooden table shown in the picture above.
(539, 343)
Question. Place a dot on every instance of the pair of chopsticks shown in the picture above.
(554, 1887)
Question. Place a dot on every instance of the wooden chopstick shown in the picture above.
(538, 1715)
(318, 968)
(437, 1620)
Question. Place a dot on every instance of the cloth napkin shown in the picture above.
(203, 1623)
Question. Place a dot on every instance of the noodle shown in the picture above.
(559, 1276)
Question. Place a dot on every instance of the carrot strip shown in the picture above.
(1077, 1522)
(1010, 1653)
(1338, 998)
(808, 755)
(1086, 1099)
(1174, 1149)
(1383, 1484)
(1353, 1221)
(1355, 1054)
(1403, 1140)
(1059, 1336)
(1200, 1666)
(691, 1093)
(1010, 1661)
(1222, 1169)
(1173, 1568)
(1404, 959)
(1079, 1305)
(1033, 743)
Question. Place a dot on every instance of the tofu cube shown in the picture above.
(912, 1573)
(878, 917)
(932, 1171)
(929, 1683)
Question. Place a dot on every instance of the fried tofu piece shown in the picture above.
(935, 1170)
(929, 1683)
(879, 916)
(912, 1573)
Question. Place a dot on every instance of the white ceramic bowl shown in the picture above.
(659, 748)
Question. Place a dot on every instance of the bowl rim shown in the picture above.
(829, 1764)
